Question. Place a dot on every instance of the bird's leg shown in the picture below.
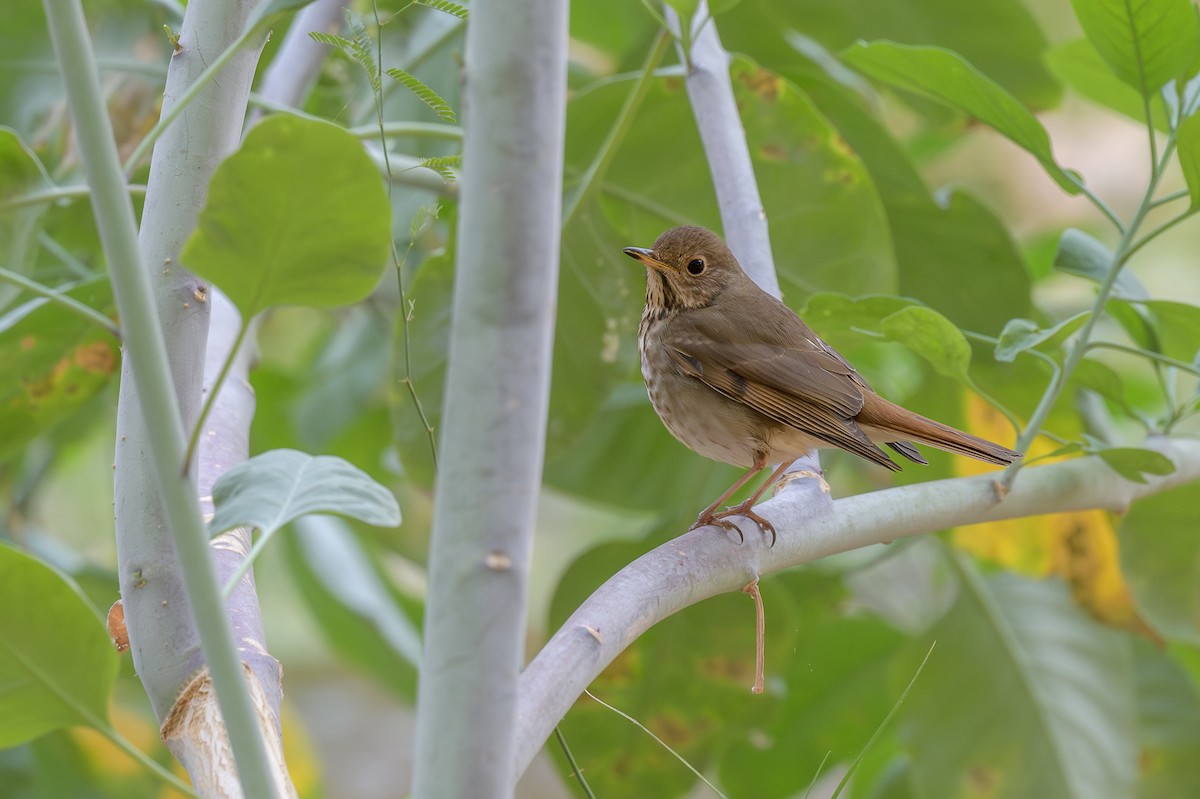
(709, 514)
(746, 508)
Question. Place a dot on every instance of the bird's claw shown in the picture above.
(721, 519)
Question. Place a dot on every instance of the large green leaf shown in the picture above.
(1169, 721)
(1001, 37)
(54, 362)
(949, 78)
(688, 680)
(833, 681)
(1189, 155)
(1145, 43)
(1178, 327)
(365, 618)
(953, 254)
(1080, 66)
(273, 488)
(1160, 556)
(1164, 326)
(57, 665)
(932, 336)
(297, 216)
(1023, 696)
(20, 172)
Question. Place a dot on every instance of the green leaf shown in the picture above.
(423, 93)
(346, 590)
(20, 172)
(1024, 694)
(1145, 43)
(836, 672)
(55, 362)
(1101, 378)
(271, 11)
(20, 169)
(1169, 722)
(1159, 557)
(684, 8)
(1133, 463)
(273, 488)
(1177, 325)
(297, 216)
(850, 320)
(933, 337)
(948, 78)
(1083, 255)
(1077, 64)
(959, 259)
(1000, 37)
(954, 236)
(1136, 322)
(1189, 155)
(447, 7)
(57, 664)
(1022, 334)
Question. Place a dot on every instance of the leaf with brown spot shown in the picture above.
(55, 362)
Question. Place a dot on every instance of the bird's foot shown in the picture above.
(721, 519)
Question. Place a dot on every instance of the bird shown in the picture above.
(736, 376)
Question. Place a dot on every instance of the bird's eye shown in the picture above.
(696, 266)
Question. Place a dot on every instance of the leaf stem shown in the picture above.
(194, 438)
(596, 170)
(1097, 201)
(1168, 198)
(152, 765)
(882, 726)
(397, 261)
(54, 295)
(180, 105)
(1153, 356)
(46, 196)
(562, 742)
(147, 353)
(1125, 248)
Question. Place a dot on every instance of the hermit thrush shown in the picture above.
(736, 376)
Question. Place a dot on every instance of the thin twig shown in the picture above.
(54, 295)
(760, 636)
(660, 741)
(575, 769)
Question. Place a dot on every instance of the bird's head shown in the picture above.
(688, 267)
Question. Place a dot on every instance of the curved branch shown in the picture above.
(728, 155)
(706, 562)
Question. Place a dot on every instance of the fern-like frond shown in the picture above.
(426, 215)
(333, 40)
(423, 92)
(454, 9)
(364, 51)
(359, 50)
(444, 165)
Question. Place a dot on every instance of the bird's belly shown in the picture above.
(703, 420)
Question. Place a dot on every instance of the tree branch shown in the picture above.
(182, 574)
(496, 398)
(711, 94)
(706, 562)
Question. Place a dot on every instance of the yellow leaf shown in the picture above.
(1079, 547)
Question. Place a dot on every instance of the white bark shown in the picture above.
(496, 398)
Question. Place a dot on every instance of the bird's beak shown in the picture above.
(645, 256)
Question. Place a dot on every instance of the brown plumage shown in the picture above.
(736, 376)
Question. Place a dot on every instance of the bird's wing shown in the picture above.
(803, 383)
